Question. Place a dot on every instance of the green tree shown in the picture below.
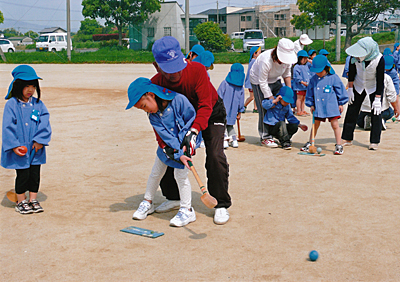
(1, 17)
(31, 34)
(120, 12)
(356, 14)
(211, 37)
(89, 27)
(10, 32)
(1, 50)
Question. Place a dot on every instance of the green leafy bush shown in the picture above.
(211, 37)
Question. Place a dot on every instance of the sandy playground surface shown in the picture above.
(284, 204)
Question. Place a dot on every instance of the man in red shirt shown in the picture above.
(191, 80)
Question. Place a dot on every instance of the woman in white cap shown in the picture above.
(265, 80)
(301, 42)
(366, 77)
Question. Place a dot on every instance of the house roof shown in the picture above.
(277, 9)
(51, 29)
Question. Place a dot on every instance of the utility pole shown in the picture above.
(187, 35)
(217, 15)
(68, 31)
(338, 29)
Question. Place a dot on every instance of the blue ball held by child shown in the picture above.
(313, 255)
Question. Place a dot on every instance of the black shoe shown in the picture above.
(35, 206)
(23, 208)
(286, 146)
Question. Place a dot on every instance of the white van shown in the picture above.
(253, 37)
(237, 35)
(52, 42)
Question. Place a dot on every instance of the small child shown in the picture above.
(171, 116)
(278, 111)
(26, 125)
(195, 52)
(390, 70)
(206, 58)
(301, 78)
(254, 52)
(326, 96)
(396, 57)
(231, 91)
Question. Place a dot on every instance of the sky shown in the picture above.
(24, 15)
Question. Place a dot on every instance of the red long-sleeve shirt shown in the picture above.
(196, 86)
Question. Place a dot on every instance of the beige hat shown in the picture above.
(285, 51)
(305, 40)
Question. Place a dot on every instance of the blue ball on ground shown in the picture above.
(319, 150)
(313, 255)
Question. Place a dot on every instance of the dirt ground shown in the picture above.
(284, 204)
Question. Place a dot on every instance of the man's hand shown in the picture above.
(189, 142)
(377, 106)
(350, 92)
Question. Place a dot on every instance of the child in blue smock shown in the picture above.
(301, 78)
(278, 112)
(396, 56)
(326, 96)
(390, 70)
(231, 91)
(26, 132)
(254, 52)
(171, 115)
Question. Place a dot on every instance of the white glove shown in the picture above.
(377, 106)
(350, 92)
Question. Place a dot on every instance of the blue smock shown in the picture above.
(326, 94)
(395, 77)
(346, 68)
(278, 113)
(233, 97)
(20, 129)
(300, 73)
(172, 125)
(247, 83)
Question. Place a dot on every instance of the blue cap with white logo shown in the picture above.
(168, 55)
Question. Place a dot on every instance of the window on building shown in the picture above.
(223, 19)
(150, 32)
(243, 18)
(167, 31)
(280, 16)
(248, 18)
(280, 31)
(212, 18)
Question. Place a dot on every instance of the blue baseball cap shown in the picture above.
(312, 51)
(323, 52)
(168, 55)
(236, 75)
(23, 72)
(389, 62)
(319, 63)
(143, 85)
(287, 94)
(302, 53)
(197, 49)
(206, 59)
(387, 51)
(253, 50)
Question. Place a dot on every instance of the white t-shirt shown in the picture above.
(265, 71)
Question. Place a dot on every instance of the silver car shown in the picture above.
(6, 45)
(251, 38)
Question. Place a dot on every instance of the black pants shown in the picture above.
(283, 132)
(216, 163)
(27, 179)
(351, 119)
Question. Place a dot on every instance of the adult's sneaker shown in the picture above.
(306, 147)
(167, 206)
(286, 146)
(183, 217)
(270, 143)
(145, 208)
(226, 144)
(339, 150)
(23, 207)
(235, 144)
(221, 216)
(373, 146)
(35, 206)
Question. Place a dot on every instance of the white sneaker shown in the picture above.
(183, 217)
(226, 144)
(373, 146)
(235, 144)
(145, 208)
(167, 206)
(269, 143)
(221, 216)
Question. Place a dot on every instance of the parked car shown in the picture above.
(237, 35)
(52, 42)
(7, 46)
(253, 37)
